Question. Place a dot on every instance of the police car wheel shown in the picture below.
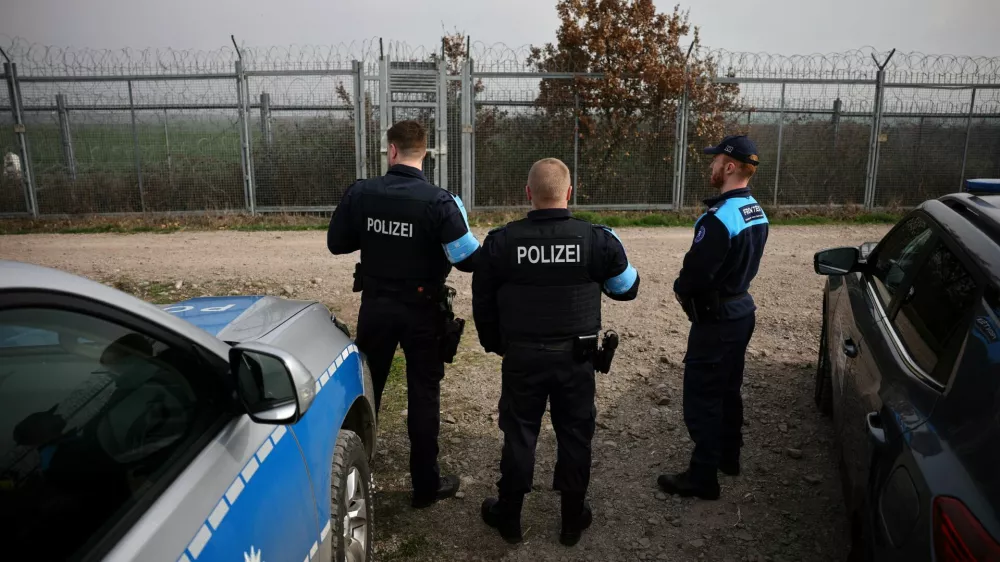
(823, 386)
(351, 500)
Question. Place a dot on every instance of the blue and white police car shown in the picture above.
(228, 428)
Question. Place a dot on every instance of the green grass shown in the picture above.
(394, 396)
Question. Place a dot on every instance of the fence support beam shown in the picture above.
(135, 149)
(360, 121)
(576, 144)
(385, 112)
(241, 102)
(680, 150)
(468, 132)
(968, 133)
(874, 144)
(441, 119)
(781, 132)
(27, 181)
(265, 120)
(66, 136)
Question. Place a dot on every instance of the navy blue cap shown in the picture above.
(736, 146)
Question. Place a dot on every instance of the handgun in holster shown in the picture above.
(453, 327)
(358, 285)
(703, 307)
(585, 348)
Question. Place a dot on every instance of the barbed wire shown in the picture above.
(35, 59)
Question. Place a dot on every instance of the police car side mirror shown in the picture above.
(273, 386)
(837, 261)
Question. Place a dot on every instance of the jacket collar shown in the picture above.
(408, 171)
(713, 201)
(545, 214)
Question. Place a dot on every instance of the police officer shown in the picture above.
(536, 297)
(712, 288)
(410, 234)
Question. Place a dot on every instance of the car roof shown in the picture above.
(16, 275)
(973, 221)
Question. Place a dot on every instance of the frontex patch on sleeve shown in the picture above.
(751, 212)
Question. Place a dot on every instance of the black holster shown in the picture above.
(585, 348)
(358, 285)
(705, 307)
(451, 333)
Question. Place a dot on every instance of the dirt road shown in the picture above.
(786, 505)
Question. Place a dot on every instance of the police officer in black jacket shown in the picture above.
(410, 234)
(712, 288)
(536, 298)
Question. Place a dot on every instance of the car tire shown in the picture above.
(351, 500)
(823, 385)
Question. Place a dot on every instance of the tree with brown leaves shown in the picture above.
(627, 112)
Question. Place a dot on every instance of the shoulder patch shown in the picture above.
(751, 212)
(700, 235)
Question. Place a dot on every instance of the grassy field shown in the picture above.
(272, 222)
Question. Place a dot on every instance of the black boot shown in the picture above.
(447, 487)
(682, 485)
(504, 515)
(576, 517)
(730, 467)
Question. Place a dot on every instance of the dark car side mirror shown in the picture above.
(837, 261)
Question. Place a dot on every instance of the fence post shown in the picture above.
(576, 142)
(170, 158)
(441, 119)
(781, 132)
(360, 152)
(968, 133)
(244, 140)
(680, 150)
(64, 133)
(467, 135)
(874, 142)
(265, 119)
(135, 149)
(384, 110)
(30, 201)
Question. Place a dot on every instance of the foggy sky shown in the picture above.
(965, 27)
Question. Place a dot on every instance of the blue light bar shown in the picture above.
(982, 186)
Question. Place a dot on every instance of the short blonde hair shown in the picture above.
(549, 179)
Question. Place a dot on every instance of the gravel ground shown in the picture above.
(786, 505)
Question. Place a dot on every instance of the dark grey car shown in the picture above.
(909, 368)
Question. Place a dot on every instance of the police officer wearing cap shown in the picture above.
(537, 303)
(410, 233)
(712, 288)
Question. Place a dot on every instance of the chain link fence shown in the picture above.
(288, 129)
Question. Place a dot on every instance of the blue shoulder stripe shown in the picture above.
(739, 214)
(465, 245)
(621, 283)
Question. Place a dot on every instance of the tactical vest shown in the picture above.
(548, 293)
(398, 242)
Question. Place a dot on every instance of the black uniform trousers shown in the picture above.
(384, 322)
(534, 373)
(713, 405)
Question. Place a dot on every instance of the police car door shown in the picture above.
(119, 442)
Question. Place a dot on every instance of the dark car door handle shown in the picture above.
(876, 433)
(850, 348)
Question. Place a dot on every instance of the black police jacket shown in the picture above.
(408, 230)
(725, 255)
(541, 278)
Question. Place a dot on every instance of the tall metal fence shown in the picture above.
(288, 129)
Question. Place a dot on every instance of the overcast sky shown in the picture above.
(968, 27)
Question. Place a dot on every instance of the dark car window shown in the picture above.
(93, 416)
(934, 307)
(896, 256)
